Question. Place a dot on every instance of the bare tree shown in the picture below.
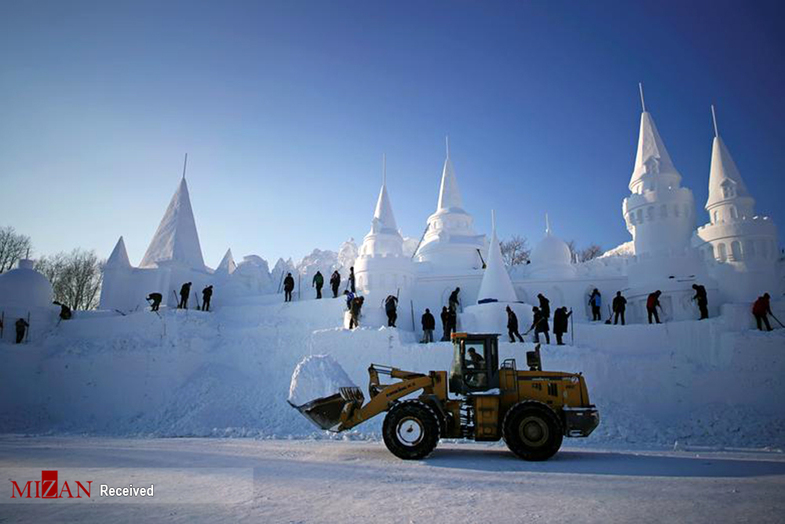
(13, 246)
(589, 253)
(573, 251)
(76, 277)
(515, 251)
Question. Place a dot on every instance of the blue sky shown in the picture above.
(285, 109)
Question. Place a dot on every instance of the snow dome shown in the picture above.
(25, 287)
(551, 257)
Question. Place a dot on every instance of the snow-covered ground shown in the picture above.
(349, 481)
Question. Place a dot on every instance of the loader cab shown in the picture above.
(475, 363)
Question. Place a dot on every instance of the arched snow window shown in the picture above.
(749, 249)
(709, 252)
(650, 213)
(716, 216)
(722, 252)
(735, 250)
(639, 216)
(734, 214)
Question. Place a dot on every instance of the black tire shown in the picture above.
(411, 430)
(532, 431)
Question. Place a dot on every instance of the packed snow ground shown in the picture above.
(228, 373)
(344, 481)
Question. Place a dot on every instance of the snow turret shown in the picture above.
(119, 257)
(383, 239)
(381, 267)
(659, 213)
(729, 199)
(740, 248)
(551, 257)
(176, 240)
(24, 287)
(496, 285)
(450, 241)
(227, 265)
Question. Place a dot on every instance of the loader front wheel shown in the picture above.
(411, 430)
(532, 431)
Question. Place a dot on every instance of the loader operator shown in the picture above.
(475, 362)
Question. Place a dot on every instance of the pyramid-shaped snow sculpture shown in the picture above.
(176, 239)
(227, 265)
(652, 157)
(496, 284)
(119, 256)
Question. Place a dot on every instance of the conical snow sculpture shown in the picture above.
(496, 285)
(176, 239)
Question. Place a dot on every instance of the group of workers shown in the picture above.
(541, 315)
(155, 298)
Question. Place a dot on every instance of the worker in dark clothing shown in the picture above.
(619, 306)
(155, 300)
(349, 297)
(702, 300)
(21, 329)
(428, 325)
(351, 280)
(207, 294)
(512, 325)
(561, 321)
(595, 301)
(335, 282)
(545, 305)
(445, 316)
(453, 315)
(185, 292)
(391, 308)
(540, 325)
(318, 282)
(454, 300)
(65, 311)
(288, 287)
(652, 303)
(760, 309)
(356, 311)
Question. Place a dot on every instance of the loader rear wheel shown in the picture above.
(411, 430)
(532, 431)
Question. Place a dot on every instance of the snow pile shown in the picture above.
(315, 377)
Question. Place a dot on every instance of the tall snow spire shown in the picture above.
(176, 239)
(227, 265)
(496, 284)
(652, 158)
(383, 217)
(185, 165)
(725, 182)
(449, 194)
(547, 225)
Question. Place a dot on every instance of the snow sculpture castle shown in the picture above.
(735, 256)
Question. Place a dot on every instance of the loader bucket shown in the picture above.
(326, 412)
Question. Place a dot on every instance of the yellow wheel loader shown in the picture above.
(531, 410)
